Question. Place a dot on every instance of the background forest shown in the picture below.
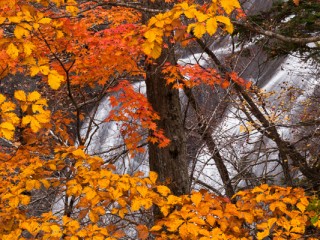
(159, 119)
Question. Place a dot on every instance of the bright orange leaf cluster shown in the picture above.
(104, 203)
(130, 107)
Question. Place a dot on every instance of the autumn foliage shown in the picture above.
(66, 45)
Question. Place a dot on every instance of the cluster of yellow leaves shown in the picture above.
(28, 22)
(279, 212)
(34, 112)
(42, 66)
(8, 118)
(33, 107)
(205, 21)
(274, 211)
(25, 21)
(98, 192)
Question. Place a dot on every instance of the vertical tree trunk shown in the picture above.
(169, 162)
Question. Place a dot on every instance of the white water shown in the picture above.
(233, 144)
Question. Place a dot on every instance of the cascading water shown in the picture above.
(243, 151)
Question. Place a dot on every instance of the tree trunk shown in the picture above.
(170, 162)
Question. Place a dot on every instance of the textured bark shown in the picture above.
(170, 162)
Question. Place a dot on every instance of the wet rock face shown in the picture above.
(253, 7)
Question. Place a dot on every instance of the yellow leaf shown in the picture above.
(45, 183)
(229, 5)
(289, 200)
(296, 2)
(163, 190)
(82, 233)
(14, 202)
(93, 217)
(317, 224)
(151, 34)
(172, 200)
(73, 10)
(280, 205)
(154, 52)
(7, 107)
(79, 153)
(262, 235)
(183, 231)
(301, 207)
(135, 204)
(20, 95)
(193, 230)
(7, 130)
(196, 198)
(153, 177)
(2, 98)
(260, 197)
(165, 210)
(25, 200)
(197, 220)
(34, 96)
(90, 193)
(42, 101)
(30, 185)
(36, 26)
(12, 51)
(55, 79)
(14, 19)
(174, 224)
(44, 20)
(304, 201)
(147, 47)
(59, 34)
(205, 233)
(198, 29)
(19, 32)
(184, 5)
(52, 166)
(44, 69)
(28, 47)
(55, 231)
(190, 12)
(211, 26)
(34, 70)
(37, 108)
(143, 190)
(35, 125)
(26, 120)
(217, 213)
(115, 193)
(248, 217)
(226, 21)
(155, 228)
(2, 19)
(271, 221)
(201, 17)
(211, 220)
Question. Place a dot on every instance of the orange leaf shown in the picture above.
(143, 232)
